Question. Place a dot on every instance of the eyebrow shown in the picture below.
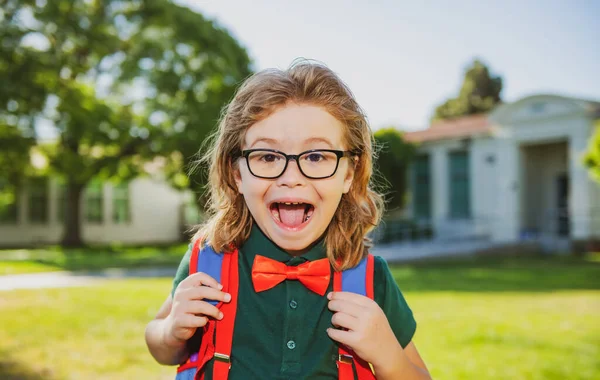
(319, 139)
(264, 139)
(269, 140)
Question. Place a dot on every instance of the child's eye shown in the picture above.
(315, 157)
(269, 157)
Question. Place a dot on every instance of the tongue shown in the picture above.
(291, 215)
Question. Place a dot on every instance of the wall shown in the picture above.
(541, 120)
(482, 174)
(155, 218)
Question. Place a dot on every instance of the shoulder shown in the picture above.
(184, 268)
(386, 288)
(382, 275)
(392, 301)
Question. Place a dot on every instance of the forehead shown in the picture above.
(297, 126)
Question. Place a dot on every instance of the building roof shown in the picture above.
(462, 127)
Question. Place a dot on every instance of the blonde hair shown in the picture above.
(229, 221)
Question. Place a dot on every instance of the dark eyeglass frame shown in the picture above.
(339, 154)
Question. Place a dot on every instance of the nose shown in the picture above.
(292, 176)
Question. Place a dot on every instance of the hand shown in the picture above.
(189, 311)
(365, 328)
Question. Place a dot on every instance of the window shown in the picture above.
(121, 211)
(460, 195)
(61, 204)
(38, 200)
(94, 201)
(421, 188)
(8, 203)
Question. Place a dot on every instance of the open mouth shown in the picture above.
(291, 214)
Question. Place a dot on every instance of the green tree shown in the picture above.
(479, 93)
(195, 75)
(16, 122)
(392, 163)
(14, 165)
(122, 82)
(592, 158)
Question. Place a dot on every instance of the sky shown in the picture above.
(402, 58)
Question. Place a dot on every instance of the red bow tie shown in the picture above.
(266, 273)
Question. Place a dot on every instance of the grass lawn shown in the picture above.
(489, 318)
(17, 261)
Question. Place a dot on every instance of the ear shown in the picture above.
(350, 174)
(237, 176)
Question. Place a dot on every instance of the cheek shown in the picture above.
(253, 188)
(331, 191)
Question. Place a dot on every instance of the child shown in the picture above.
(290, 172)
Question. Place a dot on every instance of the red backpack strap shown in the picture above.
(224, 337)
(357, 280)
(223, 267)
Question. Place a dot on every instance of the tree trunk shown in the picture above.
(72, 233)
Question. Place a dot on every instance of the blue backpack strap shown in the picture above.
(355, 279)
(203, 259)
(206, 260)
(359, 280)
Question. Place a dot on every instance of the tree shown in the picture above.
(392, 163)
(592, 158)
(196, 74)
(479, 93)
(120, 80)
(14, 165)
(16, 123)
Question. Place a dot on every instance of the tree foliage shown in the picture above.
(122, 82)
(392, 164)
(479, 93)
(592, 158)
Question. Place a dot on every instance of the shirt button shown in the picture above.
(293, 304)
(291, 344)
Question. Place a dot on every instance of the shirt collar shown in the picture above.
(259, 244)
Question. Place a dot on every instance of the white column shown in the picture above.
(579, 186)
(439, 186)
(483, 186)
(506, 210)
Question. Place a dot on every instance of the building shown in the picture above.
(144, 211)
(513, 175)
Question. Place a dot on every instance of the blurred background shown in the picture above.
(487, 121)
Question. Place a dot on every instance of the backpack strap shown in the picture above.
(223, 267)
(225, 326)
(356, 280)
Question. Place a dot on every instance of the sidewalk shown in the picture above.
(393, 253)
(87, 278)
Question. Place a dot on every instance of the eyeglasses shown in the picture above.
(313, 164)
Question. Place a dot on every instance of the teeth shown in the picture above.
(292, 203)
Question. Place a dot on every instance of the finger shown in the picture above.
(347, 307)
(190, 321)
(205, 293)
(345, 321)
(350, 297)
(204, 308)
(344, 337)
(198, 279)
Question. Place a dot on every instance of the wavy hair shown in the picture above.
(229, 221)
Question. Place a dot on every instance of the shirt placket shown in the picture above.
(290, 365)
